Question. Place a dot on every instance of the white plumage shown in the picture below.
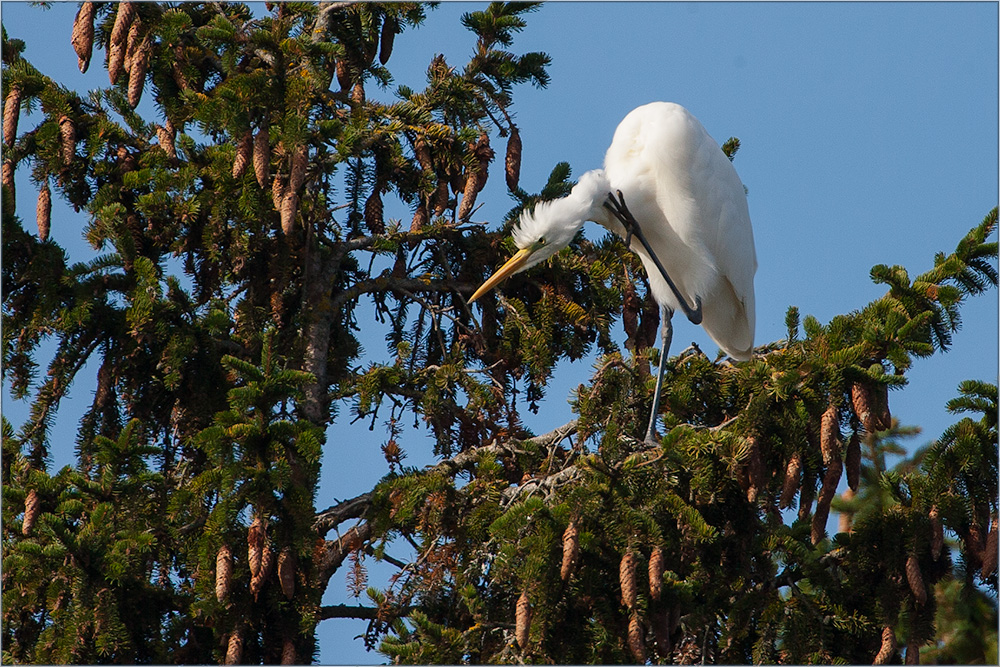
(689, 203)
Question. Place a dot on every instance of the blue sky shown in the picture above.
(869, 135)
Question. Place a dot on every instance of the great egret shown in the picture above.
(694, 221)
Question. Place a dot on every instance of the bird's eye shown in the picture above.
(541, 241)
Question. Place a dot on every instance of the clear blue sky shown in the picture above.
(869, 135)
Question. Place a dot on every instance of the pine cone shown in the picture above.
(286, 572)
(423, 153)
(853, 461)
(137, 73)
(389, 29)
(83, 35)
(244, 150)
(523, 621)
(262, 159)
(67, 137)
(343, 75)
(116, 61)
(126, 161)
(358, 93)
(11, 114)
(793, 475)
(656, 567)
(278, 188)
(472, 188)
(937, 532)
(626, 577)
(373, 213)
(43, 211)
(990, 552)
(123, 21)
(289, 206)
(888, 649)
(256, 541)
(258, 580)
(571, 550)
(288, 652)
(234, 650)
(7, 177)
(439, 200)
(512, 163)
(223, 572)
(635, 639)
(297, 174)
(132, 43)
(846, 520)
(420, 218)
(915, 579)
(826, 494)
(166, 138)
(32, 508)
(829, 435)
(862, 399)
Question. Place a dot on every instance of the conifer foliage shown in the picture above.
(241, 223)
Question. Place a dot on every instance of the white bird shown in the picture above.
(681, 207)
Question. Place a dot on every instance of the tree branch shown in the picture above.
(356, 611)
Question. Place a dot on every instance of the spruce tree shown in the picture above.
(238, 232)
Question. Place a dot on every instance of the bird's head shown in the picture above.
(551, 226)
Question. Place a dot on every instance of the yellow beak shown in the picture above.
(512, 266)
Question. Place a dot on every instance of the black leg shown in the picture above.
(620, 211)
(666, 334)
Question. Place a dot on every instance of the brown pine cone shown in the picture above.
(262, 159)
(116, 61)
(223, 572)
(67, 139)
(888, 648)
(793, 477)
(137, 73)
(256, 541)
(512, 162)
(570, 550)
(297, 174)
(829, 435)
(915, 579)
(166, 138)
(635, 640)
(83, 35)
(286, 572)
(389, 29)
(289, 207)
(7, 176)
(11, 114)
(853, 461)
(234, 649)
(523, 621)
(43, 211)
(826, 494)
(420, 218)
(244, 150)
(32, 508)
(123, 21)
(656, 568)
(626, 577)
